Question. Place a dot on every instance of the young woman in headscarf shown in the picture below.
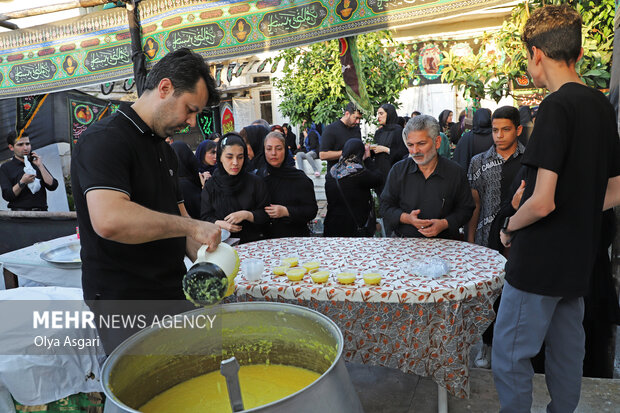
(389, 147)
(206, 154)
(254, 135)
(445, 122)
(356, 176)
(189, 178)
(293, 202)
(233, 198)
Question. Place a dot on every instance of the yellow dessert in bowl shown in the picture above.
(346, 277)
(280, 270)
(311, 265)
(372, 278)
(320, 277)
(291, 261)
(295, 274)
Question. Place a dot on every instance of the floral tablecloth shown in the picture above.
(416, 324)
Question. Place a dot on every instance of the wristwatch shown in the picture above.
(22, 185)
(505, 226)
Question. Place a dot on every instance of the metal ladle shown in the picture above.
(230, 369)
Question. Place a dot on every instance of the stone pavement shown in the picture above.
(385, 390)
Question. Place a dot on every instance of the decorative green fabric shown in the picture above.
(96, 48)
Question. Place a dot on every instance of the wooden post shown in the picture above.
(137, 54)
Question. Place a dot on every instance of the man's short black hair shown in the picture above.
(508, 112)
(184, 68)
(11, 137)
(351, 108)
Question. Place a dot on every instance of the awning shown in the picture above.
(95, 48)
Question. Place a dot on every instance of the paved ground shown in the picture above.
(384, 390)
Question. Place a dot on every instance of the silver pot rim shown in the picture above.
(114, 357)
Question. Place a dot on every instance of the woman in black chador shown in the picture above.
(389, 146)
(293, 203)
(233, 198)
(355, 175)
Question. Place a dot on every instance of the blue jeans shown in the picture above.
(524, 321)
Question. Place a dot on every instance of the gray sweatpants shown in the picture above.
(308, 156)
(524, 321)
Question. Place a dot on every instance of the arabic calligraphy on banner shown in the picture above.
(32, 72)
(108, 58)
(95, 48)
(197, 37)
(294, 19)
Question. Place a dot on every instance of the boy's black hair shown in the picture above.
(508, 112)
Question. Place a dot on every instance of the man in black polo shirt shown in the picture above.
(133, 225)
(336, 134)
(426, 195)
(15, 182)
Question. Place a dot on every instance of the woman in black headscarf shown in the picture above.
(389, 147)
(355, 176)
(445, 121)
(189, 178)
(206, 154)
(233, 198)
(293, 203)
(254, 136)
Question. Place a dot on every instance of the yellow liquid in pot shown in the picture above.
(260, 384)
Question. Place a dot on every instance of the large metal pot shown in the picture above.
(156, 359)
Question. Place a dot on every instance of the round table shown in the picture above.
(413, 323)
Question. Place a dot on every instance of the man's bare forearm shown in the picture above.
(121, 220)
(330, 155)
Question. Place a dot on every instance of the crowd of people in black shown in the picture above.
(233, 182)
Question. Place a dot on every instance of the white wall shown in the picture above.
(432, 99)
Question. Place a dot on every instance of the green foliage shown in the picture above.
(312, 86)
(482, 75)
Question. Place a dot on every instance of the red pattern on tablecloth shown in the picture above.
(410, 323)
(474, 270)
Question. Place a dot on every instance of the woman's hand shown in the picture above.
(276, 211)
(381, 149)
(239, 216)
(204, 177)
(230, 227)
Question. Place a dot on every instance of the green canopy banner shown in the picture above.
(96, 48)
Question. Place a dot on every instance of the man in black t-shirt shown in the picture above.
(336, 134)
(133, 225)
(573, 173)
(15, 182)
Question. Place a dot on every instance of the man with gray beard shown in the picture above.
(426, 195)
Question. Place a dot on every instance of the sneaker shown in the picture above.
(317, 174)
(483, 359)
